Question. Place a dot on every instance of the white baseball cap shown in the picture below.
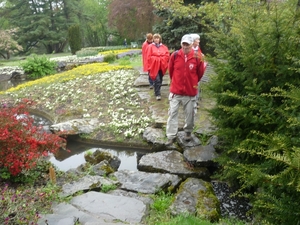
(187, 38)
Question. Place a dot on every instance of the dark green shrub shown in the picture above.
(109, 58)
(74, 38)
(38, 66)
(258, 104)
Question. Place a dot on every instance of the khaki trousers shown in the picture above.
(188, 103)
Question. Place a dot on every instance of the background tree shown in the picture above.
(4, 23)
(43, 22)
(131, 18)
(94, 22)
(258, 103)
(173, 27)
(7, 44)
(74, 38)
(181, 17)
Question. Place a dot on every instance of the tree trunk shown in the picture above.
(2, 55)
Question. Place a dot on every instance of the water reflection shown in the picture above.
(65, 160)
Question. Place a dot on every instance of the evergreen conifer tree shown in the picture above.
(74, 38)
(257, 109)
(41, 24)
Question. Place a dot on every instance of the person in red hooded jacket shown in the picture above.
(157, 63)
(147, 42)
(186, 69)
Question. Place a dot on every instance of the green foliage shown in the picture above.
(179, 18)
(108, 187)
(125, 61)
(41, 25)
(29, 176)
(136, 60)
(159, 209)
(8, 45)
(258, 103)
(173, 27)
(204, 138)
(88, 153)
(109, 58)
(160, 214)
(38, 66)
(93, 22)
(5, 174)
(162, 201)
(25, 204)
(74, 38)
(185, 220)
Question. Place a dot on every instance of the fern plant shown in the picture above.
(38, 66)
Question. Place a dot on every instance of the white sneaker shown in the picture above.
(158, 98)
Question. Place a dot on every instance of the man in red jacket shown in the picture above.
(186, 69)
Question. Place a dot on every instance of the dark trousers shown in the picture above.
(150, 80)
(157, 83)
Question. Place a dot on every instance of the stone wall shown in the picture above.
(11, 72)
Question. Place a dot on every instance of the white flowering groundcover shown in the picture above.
(108, 96)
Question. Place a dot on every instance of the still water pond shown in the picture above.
(65, 160)
(68, 160)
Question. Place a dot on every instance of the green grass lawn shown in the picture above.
(15, 60)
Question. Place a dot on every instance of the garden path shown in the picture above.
(159, 109)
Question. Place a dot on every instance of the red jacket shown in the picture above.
(144, 55)
(158, 58)
(185, 75)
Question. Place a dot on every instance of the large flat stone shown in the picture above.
(95, 208)
(110, 207)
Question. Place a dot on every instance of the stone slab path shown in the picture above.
(159, 109)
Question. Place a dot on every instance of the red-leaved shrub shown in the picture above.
(22, 143)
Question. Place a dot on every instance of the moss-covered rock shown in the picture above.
(196, 197)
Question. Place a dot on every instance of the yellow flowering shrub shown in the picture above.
(77, 72)
(116, 52)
